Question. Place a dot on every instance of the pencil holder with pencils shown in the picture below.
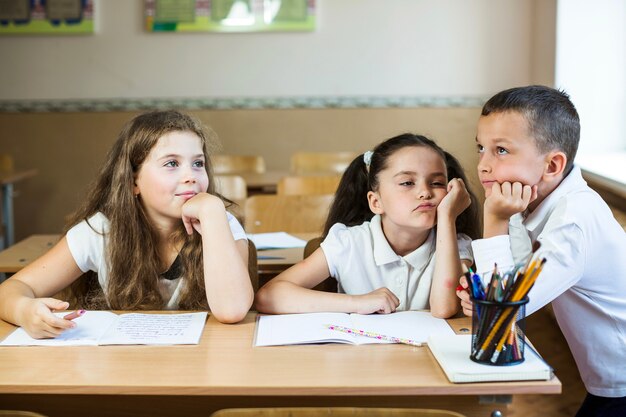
(499, 312)
(498, 332)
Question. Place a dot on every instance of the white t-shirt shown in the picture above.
(584, 277)
(361, 260)
(87, 243)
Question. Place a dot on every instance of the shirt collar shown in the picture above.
(573, 181)
(384, 254)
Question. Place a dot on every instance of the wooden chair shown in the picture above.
(330, 283)
(235, 164)
(286, 213)
(321, 162)
(234, 188)
(310, 184)
(333, 412)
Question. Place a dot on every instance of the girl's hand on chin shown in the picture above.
(201, 206)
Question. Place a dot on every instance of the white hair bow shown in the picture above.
(367, 158)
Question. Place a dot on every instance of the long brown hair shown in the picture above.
(132, 256)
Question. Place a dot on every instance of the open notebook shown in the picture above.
(292, 329)
(106, 328)
(453, 351)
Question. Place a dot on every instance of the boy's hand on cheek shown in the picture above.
(505, 200)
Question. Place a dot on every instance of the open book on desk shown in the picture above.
(453, 355)
(105, 328)
(293, 329)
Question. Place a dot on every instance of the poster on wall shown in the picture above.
(40, 17)
(229, 15)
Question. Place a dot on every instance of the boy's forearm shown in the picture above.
(494, 225)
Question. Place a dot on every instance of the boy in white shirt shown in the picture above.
(527, 139)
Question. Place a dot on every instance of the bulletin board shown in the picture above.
(229, 15)
(64, 17)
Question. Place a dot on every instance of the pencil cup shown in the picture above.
(498, 332)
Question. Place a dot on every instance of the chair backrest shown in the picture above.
(286, 213)
(333, 412)
(308, 184)
(232, 187)
(320, 162)
(253, 267)
(235, 164)
(330, 283)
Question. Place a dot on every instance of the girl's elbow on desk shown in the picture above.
(229, 316)
(263, 300)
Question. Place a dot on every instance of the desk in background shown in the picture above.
(7, 179)
(26, 251)
(225, 370)
(263, 182)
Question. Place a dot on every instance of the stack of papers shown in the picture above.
(453, 354)
(276, 240)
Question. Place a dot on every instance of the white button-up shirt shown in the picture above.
(584, 277)
(361, 260)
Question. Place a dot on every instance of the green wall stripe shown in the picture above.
(106, 105)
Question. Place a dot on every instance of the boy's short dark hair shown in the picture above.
(552, 118)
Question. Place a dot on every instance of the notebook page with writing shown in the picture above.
(294, 329)
(414, 325)
(452, 353)
(89, 328)
(155, 329)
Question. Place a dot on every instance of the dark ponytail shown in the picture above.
(350, 206)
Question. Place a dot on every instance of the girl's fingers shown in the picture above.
(188, 226)
(57, 323)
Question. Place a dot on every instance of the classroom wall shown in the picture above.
(458, 50)
(360, 47)
(68, 148)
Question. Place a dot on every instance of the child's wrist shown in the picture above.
(495, 226)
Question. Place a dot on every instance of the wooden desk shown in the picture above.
(25, 251)
(7, 179)
(262, 183)
(225, 370)
(286, 257)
